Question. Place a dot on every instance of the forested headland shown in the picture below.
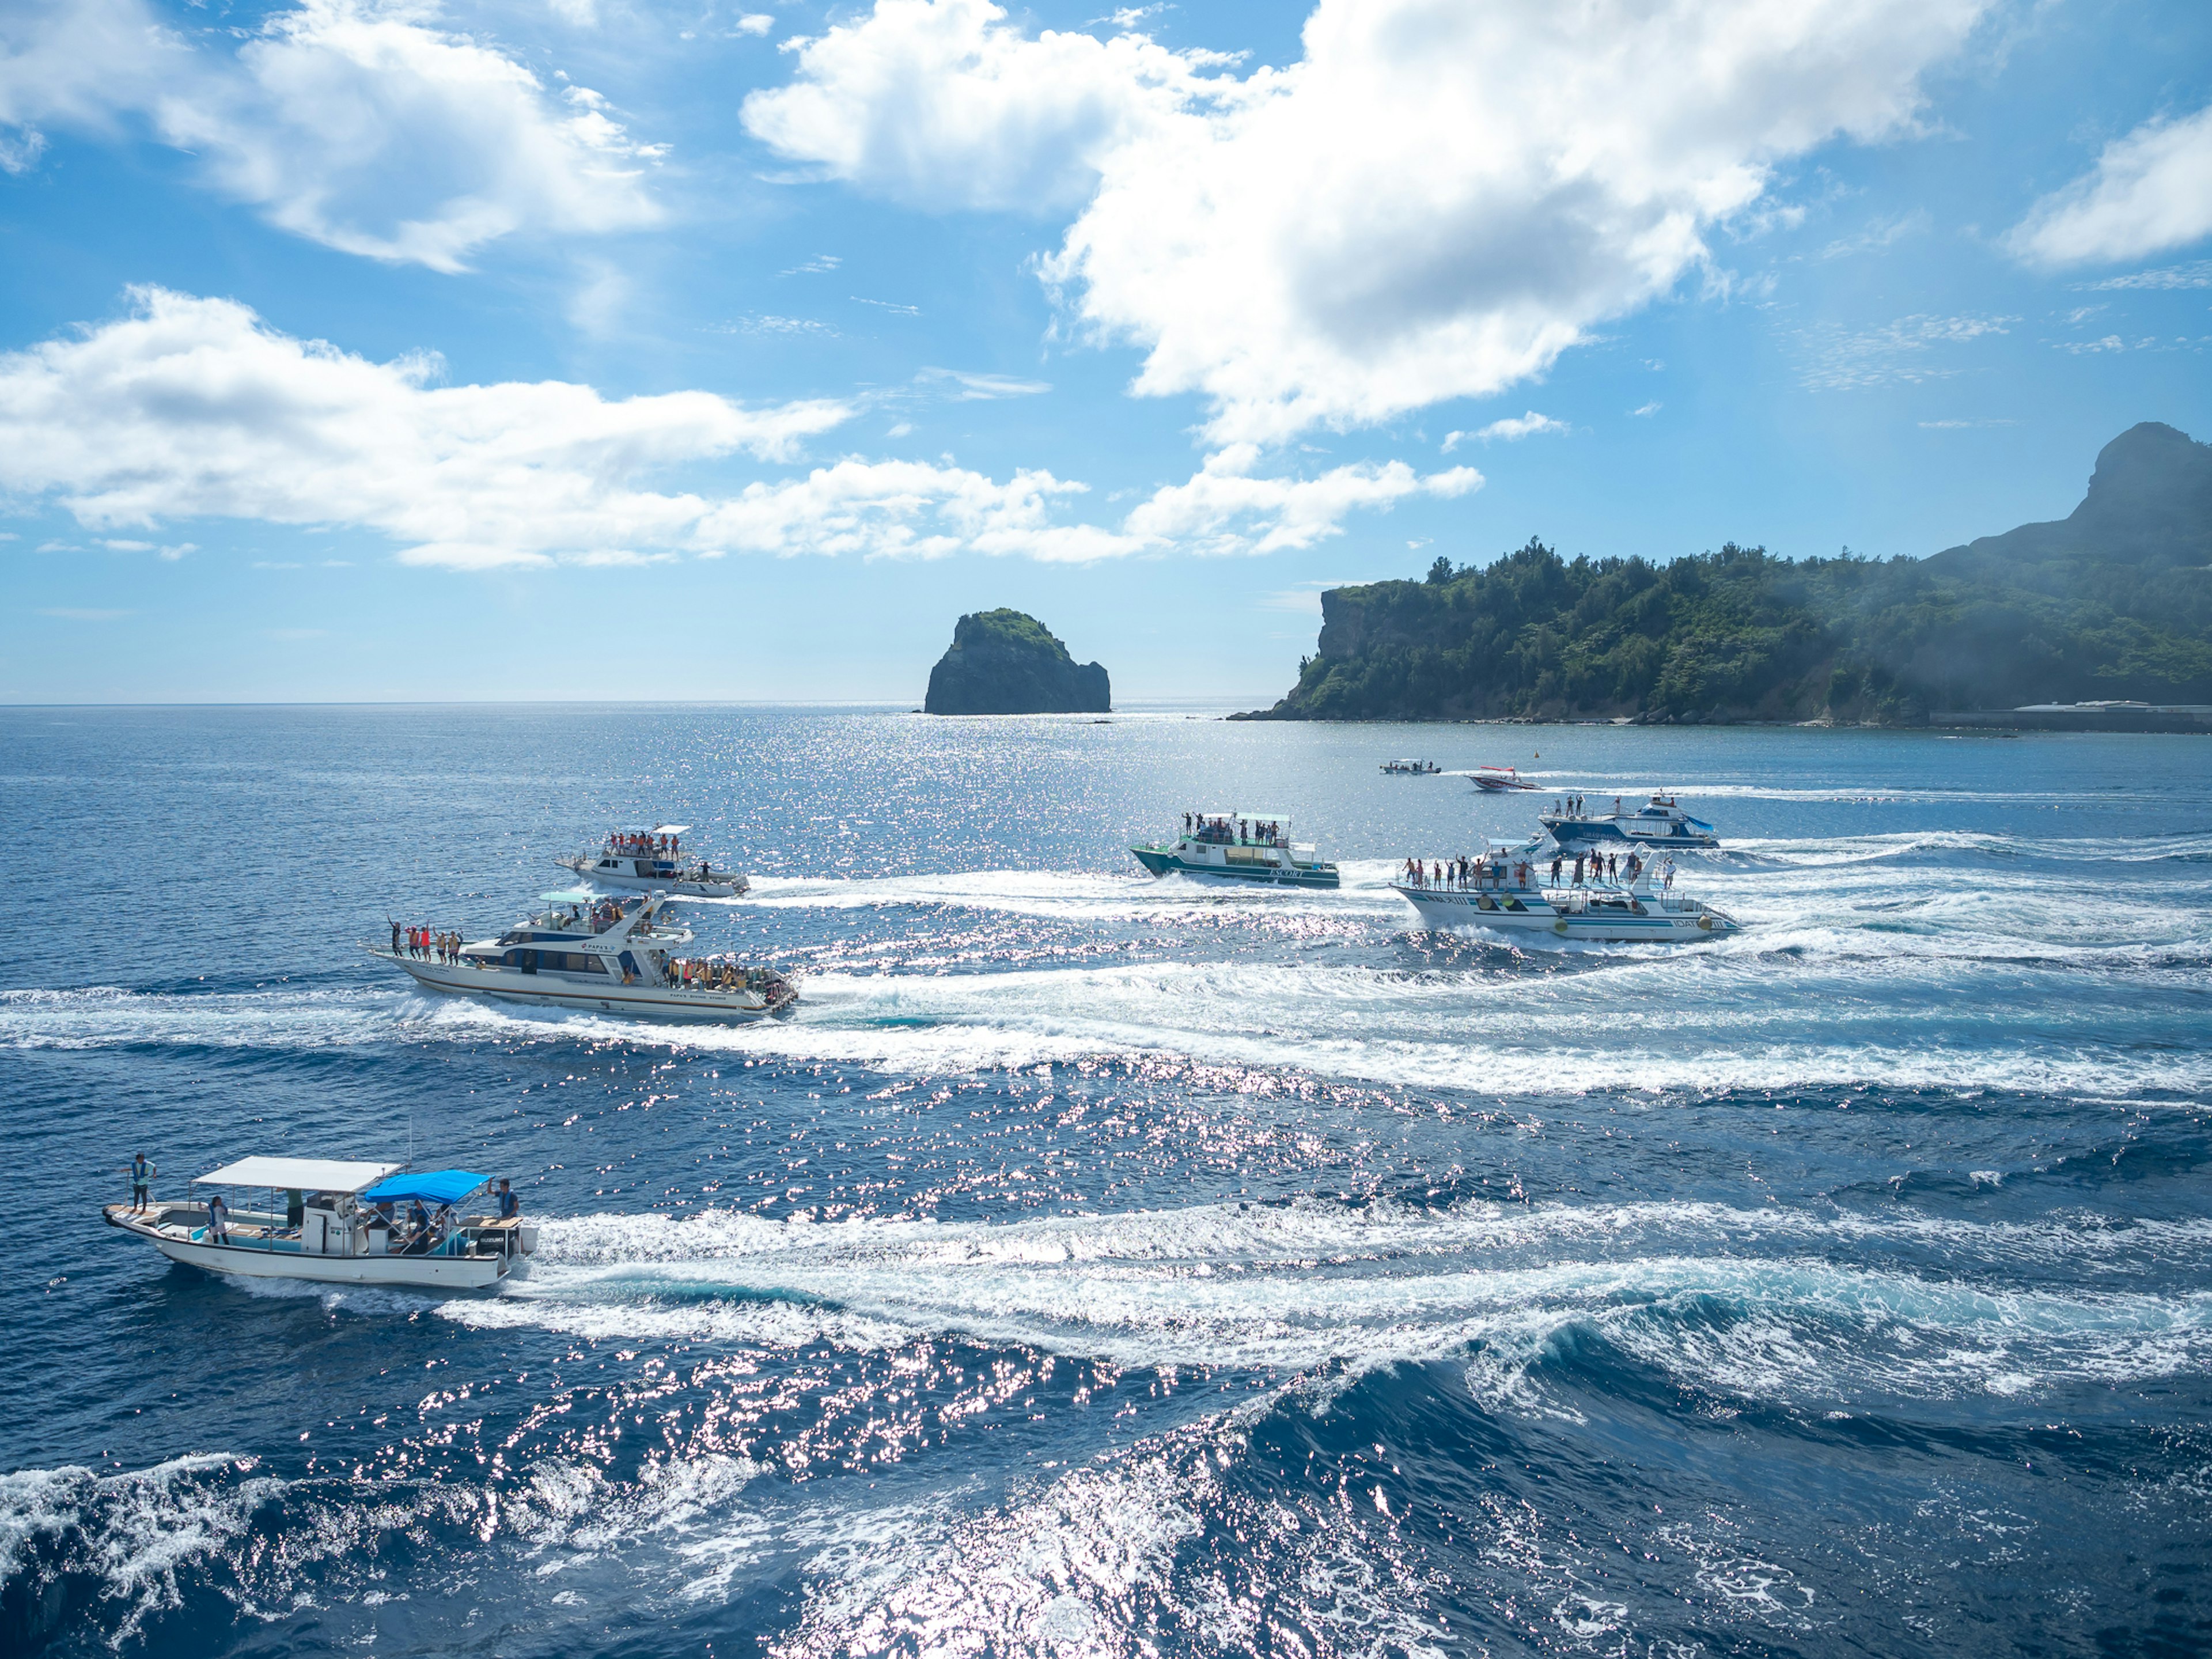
(2114, 601)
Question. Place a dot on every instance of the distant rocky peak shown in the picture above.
(2151, 479)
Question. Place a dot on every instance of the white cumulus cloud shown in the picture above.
(363, 124)
(938, 103)
(2149, 192)
(195, 408)
(1434, 202)
(1226, 509)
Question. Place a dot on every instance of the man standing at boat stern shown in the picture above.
(510, 1206)
(142, 1176)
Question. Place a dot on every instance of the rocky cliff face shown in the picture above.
(1002, 662)
(2112, 602)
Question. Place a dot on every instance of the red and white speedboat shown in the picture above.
(1500, 777)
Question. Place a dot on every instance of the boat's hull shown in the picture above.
(1602, 833)
(1162, 863)
(676, 886)
(429, 1273)
(1645, 921)
(550, 990)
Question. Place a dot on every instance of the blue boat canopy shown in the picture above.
(431, 1186)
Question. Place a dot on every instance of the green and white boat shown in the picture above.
(1245, 846)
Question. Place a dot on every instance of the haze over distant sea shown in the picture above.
(1092, 1264)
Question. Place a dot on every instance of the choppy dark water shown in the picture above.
(1095, 1265)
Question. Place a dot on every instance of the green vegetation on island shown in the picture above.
(1002, 662)
(2114, 601)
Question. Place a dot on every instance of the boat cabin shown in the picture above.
(648, 852)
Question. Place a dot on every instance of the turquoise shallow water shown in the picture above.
(1093, 1264)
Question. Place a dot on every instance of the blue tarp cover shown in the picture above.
(431, 1186)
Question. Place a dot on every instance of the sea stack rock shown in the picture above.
(1005, 663)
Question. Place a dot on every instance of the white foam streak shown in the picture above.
(1296, 1287)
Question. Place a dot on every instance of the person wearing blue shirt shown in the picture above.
(510, 1206)
(141, 1175)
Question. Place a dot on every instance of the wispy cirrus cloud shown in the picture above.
(1908, 351)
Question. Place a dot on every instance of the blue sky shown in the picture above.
(595, 349)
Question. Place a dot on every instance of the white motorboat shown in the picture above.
(601, 955)
(642, 861)
(1495, 778)
(1244, 846)
(1418, 768)
(336, 1221)
(1659, 825)
(1505, 892)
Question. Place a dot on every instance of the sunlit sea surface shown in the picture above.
(1098, 1265)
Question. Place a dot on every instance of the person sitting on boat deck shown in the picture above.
(142, 1176)
(218, 1228)
(418, 1229)
(510, 1201)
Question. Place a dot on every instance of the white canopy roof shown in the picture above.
(322, 1175)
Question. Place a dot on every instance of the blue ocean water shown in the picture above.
(1094, 1265)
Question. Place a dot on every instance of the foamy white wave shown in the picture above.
(101, 1017)
(1292, 1288)
(131, 1532)
(1639, 1024)
(1072, 896)
(1090, 1565)
(573, 1506)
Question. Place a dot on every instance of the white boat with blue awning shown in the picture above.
(600, 955)
(337, 1221)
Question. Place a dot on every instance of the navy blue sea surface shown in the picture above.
(1098, 1265)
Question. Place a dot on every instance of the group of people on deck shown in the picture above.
(707, 973)
(1220, 828)
(641, 846)
(426, 944)
(1465, 872)
(1609, 868)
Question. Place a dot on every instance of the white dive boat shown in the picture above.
(1660, 824)
(1418, 768)
(604, 956)
(644, 859)
(336, 1221)
(1504, 892)
(1498, 777)
(1248, 846)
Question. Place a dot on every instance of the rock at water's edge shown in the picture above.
(1005, 663)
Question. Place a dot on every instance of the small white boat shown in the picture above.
(642, 861)
(1418, 768)
(336, 1221)
(1504, 893)
(600, 955)
(1498, 777)
(1660, 824)
(1244, 846)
